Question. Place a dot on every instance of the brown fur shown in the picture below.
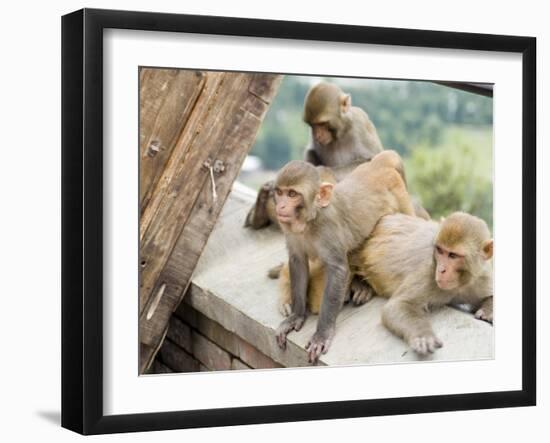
(356, 142)
(329, 226)
(398, 262)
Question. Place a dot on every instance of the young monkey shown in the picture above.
(324, 221)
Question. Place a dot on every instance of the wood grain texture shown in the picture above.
(167, 97)
(182, 211)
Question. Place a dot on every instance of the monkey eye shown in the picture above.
(292, 193)
(278, 191)
(452, 255)
(439, 250)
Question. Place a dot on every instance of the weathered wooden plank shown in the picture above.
(173, 280)
(146, 351)
(265, 86)
(187, 177)
(237, 365)
(180, 333)
(175, 162)
(177, 234)
(210, 354)
(249, 329)
(177, 359)
(212, 330)
(160, 368)
(167, 97)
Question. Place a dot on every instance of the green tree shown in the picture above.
(455, 177)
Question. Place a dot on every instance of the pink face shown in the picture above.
(449, 267)
(321, 133)
(287, 201)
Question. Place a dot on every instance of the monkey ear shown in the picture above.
(325, 194)
(487, 249)
(345, 103)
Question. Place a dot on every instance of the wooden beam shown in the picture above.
(192, 190)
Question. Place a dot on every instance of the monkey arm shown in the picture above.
(338, 277)
(407, 319)
(263, 211)
(299, 277)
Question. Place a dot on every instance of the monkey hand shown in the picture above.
(425, 344)
(319, 344)
(485, 313)
(292, 323)
(265, 192)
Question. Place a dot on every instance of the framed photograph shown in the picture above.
(268, 221)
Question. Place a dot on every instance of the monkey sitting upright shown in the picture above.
(341, 134)
(324, 221)
(419, 265)
(342, 137)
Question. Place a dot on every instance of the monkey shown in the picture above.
(419, 265)
(342, 137)
(324, 221)
(341, 134)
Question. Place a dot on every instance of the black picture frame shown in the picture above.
(82, 219)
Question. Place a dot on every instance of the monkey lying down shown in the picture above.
(418, 265)
(324, 221)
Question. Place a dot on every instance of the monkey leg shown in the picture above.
(360, 291)
(485, 310)
(316, 286)
(409, 321)
(263, 212)
(285, 296)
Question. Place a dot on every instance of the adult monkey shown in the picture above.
(342, 137)
(419, 265)
(326, 221)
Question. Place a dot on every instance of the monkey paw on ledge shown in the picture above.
(230, 291)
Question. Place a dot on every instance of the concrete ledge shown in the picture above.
(230, 286)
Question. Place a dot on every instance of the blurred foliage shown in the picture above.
(444, 134)
(455, 176)
(283, 134)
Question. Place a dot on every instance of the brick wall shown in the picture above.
(196, 343)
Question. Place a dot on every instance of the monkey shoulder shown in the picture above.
(369, 136)
(360, 116)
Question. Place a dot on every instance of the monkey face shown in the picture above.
(289, 205)
(449, 268)
(322, 133)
